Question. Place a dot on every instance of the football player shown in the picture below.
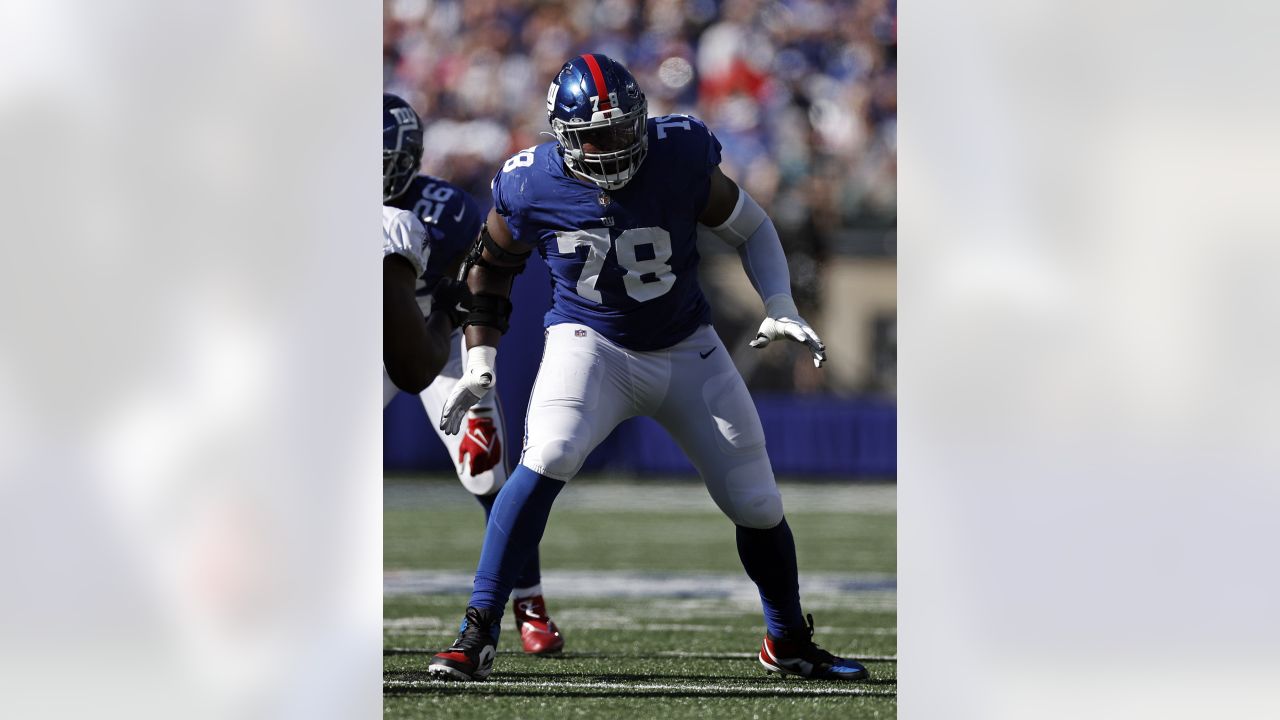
(413, 351)
(614, 205)
(452, 221)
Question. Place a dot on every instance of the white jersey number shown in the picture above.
(644, 280)
(597, 239)
(431, 205)
(524, 158)
(663, 127)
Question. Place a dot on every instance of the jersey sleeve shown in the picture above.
(703, 154)
(403, 235)
(511, 189)
(457, 231)
(712, 150)
(472, 219)
(500, 195)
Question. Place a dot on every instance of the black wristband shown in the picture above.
(489, 310)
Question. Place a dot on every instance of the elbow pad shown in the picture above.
(505, 261)
(746, 218)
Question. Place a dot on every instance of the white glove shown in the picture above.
(784, 323)
(475, 383)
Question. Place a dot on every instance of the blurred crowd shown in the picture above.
(801, 94)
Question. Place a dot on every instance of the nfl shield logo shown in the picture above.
(604, 200)
(580, 333)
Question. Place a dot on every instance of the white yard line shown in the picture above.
(659, 653)
(875, 589)
(641, 686)
(566, 620)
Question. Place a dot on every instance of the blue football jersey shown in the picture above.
(452, 219)
(623, 262)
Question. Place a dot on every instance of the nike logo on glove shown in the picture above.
(705, 354)
(477, 436)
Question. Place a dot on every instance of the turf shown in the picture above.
(644, 581)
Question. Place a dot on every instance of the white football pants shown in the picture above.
(586, 385)
(433, 399)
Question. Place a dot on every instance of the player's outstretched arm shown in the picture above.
(498, 258)
(736, 218)
(413, 352)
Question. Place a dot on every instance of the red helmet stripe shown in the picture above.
(598, 77)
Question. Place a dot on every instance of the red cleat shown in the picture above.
(538, 634)
(471, 655)
(799, 655)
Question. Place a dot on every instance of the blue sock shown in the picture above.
(515, 528)
(769, 557)
(532, 573)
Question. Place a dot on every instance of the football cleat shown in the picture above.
(471, 655)
(795, 656)
(538, 634)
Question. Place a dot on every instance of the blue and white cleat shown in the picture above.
(797, 656)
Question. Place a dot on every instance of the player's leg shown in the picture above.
(709, 412)
(479, 459)
(578, 398)
(538, 632)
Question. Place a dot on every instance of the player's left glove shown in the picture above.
(476, 382)
(784, 323)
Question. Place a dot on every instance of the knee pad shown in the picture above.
(761, 511)
(557, 459)
(751, 496)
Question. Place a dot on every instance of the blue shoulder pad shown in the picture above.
(688, 149)
(517, 183)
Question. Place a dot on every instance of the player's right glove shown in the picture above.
(476, 382)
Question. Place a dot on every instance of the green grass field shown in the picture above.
(659, 619)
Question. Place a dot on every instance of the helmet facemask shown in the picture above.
(401, 146)
(399, 167)
(620, 139)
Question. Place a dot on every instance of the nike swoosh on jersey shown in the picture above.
(706, 354)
